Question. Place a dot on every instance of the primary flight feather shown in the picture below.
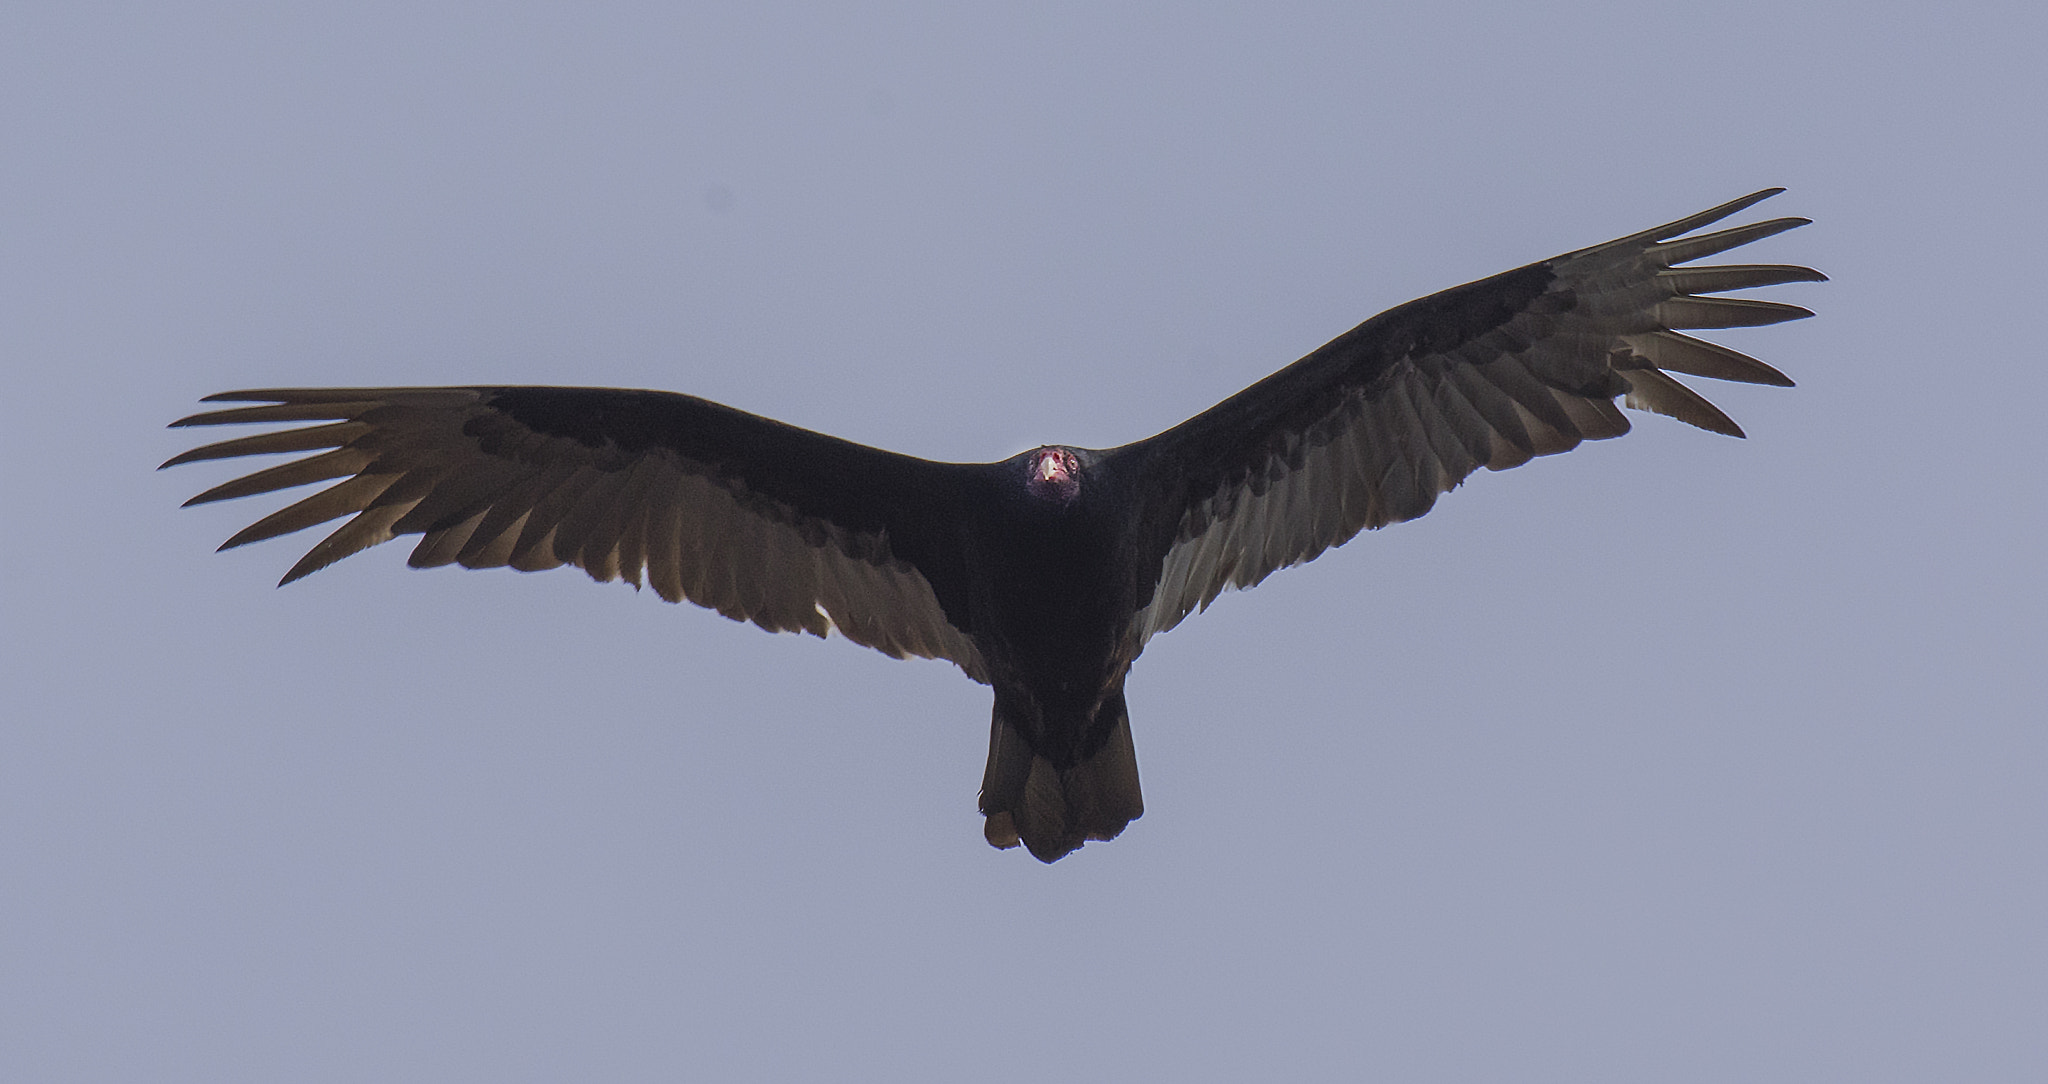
(1045, 574)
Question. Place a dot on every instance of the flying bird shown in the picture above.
(1045, 574)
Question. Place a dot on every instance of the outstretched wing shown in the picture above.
(1368, 429)
(761, 521)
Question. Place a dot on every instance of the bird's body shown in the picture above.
(1043, 575)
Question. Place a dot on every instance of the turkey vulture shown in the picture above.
(1045, 574)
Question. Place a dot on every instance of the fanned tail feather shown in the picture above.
(1053, 810)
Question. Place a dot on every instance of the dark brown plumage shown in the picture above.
(1043, 575)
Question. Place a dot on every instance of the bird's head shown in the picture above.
(1053, 474)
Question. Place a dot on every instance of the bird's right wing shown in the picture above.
(1368, 429)
(761, 521)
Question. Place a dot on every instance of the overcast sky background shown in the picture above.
(1675, 759)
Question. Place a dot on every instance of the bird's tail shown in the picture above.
(1053, 810)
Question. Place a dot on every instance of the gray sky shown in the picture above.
(1677, 758)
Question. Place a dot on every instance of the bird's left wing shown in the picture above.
(1368, 429)
(761, 521)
